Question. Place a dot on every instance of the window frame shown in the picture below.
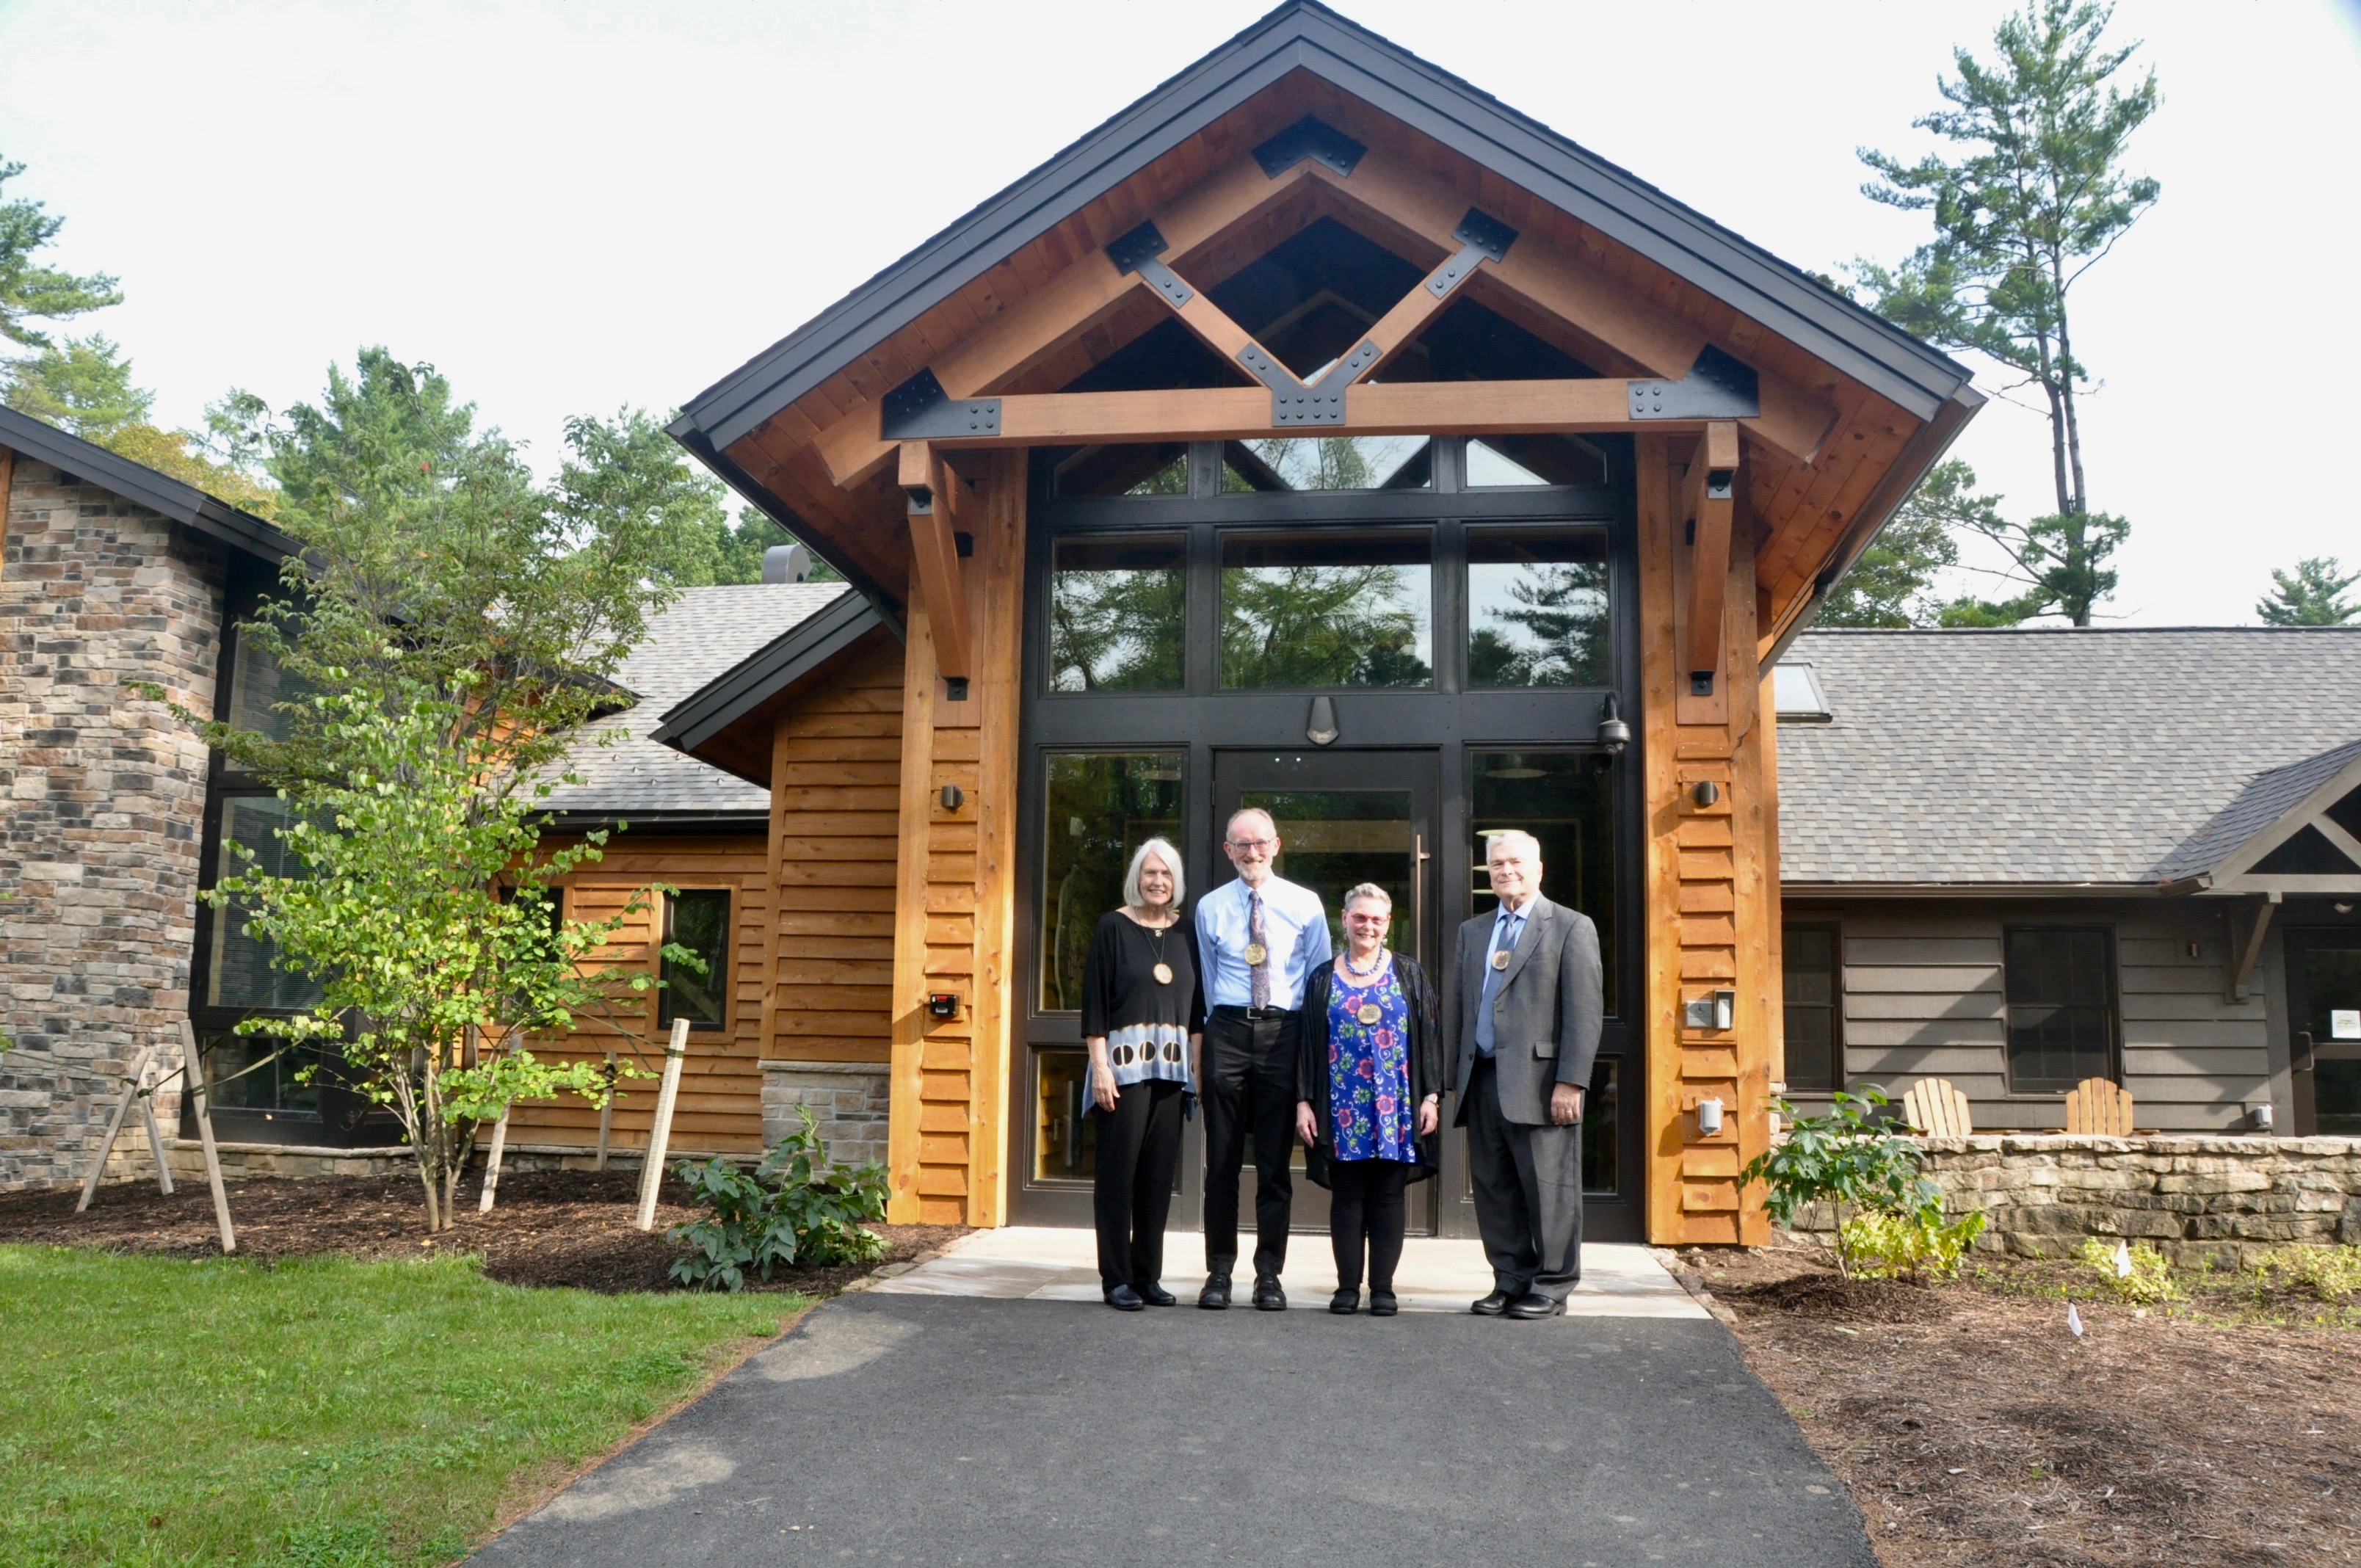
(724, 984)
(1838, 1077)
(2112, 1068)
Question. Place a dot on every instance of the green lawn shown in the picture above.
(325, 1413)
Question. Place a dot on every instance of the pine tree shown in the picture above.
(2312, 595)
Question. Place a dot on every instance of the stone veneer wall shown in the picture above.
(106, 799)
(2194, 1198)
(850, 1100)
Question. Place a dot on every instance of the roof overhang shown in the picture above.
(160, 493)
(2242, 866)
(711, 723)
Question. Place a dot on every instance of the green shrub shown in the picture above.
(1847, 1161)
(2325, 1273)
(2151, 1279)
(1885, 1246)
(797, 1207)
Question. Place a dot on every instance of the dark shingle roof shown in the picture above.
(706, 632)
(2056, 757)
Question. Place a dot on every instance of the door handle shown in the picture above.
(1418, 896)
(2303, 1053)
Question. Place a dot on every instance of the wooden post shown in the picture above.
(660, 1134)
(607, 1113)
(156, 1142)
(194, 1069)
(492, 1163)
(115, 1125)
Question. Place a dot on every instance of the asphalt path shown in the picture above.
(917, 1429)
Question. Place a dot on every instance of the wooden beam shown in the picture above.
(2244, 975)
(1711, 489)
(1793, 424)
(931, 488)
(1038, 322)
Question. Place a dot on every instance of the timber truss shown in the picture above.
(1712, 400)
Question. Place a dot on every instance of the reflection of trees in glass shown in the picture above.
(1537, 624)
(1564, 800)
(1328, 463)
(1098, 810)
(1118, 631)
(1324, 626)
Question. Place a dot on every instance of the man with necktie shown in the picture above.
(1523, 1028)
(1258, 937)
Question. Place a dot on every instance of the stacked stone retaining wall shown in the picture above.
(2196, 1199)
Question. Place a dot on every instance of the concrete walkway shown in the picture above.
(1041, 1264)
(966, 1412)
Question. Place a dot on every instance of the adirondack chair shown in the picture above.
(2100, 1106)
(1936, 1107)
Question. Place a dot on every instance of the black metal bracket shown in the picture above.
(1311, 137)
(1137, 252)
(1480, 238)
(1353, 364)
(1292, 402)
(1717, 387)
(920, 409)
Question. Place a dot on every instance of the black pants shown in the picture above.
(1138, 1145)
(1528, 1191)
(1249, 1087)
(1365, 1209)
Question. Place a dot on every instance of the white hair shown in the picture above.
(1369, 890)
(1268, 820)
(1512, 839)
(1171, 858)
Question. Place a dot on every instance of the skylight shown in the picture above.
(1795, 692)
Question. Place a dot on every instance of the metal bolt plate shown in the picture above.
(1312, 138)
(920, 409)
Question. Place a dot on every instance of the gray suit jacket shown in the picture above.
(1545, 1018)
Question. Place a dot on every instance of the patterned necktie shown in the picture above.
(1259, 974)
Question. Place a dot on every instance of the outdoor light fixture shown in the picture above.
(1613, 734)
(953, 797)
(1705, 792)
(2260, 1116)
(1709, 1118)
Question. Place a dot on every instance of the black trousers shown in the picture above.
(1528, 1190)
(1138, 1148)
(1367, 1211)
(1249, 1088)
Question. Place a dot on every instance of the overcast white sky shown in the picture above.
(572, 205)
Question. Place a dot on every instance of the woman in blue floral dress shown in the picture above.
(1368, 1080)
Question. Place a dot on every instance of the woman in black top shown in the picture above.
(1368, 1081)
(1143, 1016)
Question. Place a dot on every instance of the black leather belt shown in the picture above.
(1251, 1014)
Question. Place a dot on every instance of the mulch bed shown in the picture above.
(558, 1227)
(1973, 1427)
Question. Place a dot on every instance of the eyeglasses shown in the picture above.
(1251, 845)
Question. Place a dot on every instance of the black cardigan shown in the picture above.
(1425, 1064)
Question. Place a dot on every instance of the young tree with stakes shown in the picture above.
(2035, 199)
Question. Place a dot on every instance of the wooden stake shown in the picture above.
(492, 1163)
(660, 1134)
(194, 1069)
(156, 1143)
(115, 1125)
(607, 1113)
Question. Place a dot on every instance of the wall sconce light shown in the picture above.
(2260, 1118)
(1705, 792)
(1709, 1118)
(1613, 734)
(952, 798)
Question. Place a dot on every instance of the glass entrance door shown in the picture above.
(2324, 1004)
(1344, 818)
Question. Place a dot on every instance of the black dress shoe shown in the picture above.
(1268, 1296)
(1537, 1306)
(1345, 1303)
(1215, 1296)
(1382, 1303)
(1154, 1295)
(1124, 1299)
(1492, 1306)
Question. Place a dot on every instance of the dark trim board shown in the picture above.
(694, 723)
(160, 493)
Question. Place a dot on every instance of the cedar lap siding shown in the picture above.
(1774, 427)
(2182, 792)
(110, 572)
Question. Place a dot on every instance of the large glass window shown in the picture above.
(1321, 610)
(1537, 606)
(1065, 1145)
(241, 972)
(2060, 987)
(1518, 462)
(1565, 800)
(1118, 614)
(1330, 463)
(1813, 1020)
(699, 920)
(1097, 807)
(1160, 469)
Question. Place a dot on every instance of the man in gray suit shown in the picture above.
(1529, 998)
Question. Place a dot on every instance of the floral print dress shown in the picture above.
(1368, 1070)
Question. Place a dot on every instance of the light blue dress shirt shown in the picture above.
(1295, 929)
(1507, 927)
